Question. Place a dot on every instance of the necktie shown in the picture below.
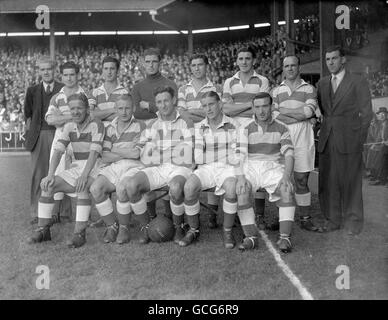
(334, 83)
(48, 90)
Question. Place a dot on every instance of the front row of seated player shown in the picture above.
(137, 159)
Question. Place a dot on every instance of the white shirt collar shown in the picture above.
(340, 75)
(45, 85)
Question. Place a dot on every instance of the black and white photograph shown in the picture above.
(194, 155)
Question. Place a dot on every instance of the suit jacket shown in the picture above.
(346, 114)
(33, 106)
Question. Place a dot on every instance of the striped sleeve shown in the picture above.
(311, 98)
(97, 131)
(64, 138)
(227, 92)
(53, 107)
(181, 97)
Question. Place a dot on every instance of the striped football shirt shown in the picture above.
(271, 144)
(171, 142)
(221, 145)
(235, 92)
(83, 140)
(304, 95)
(188, 98)
(101, 100)
(59, 105)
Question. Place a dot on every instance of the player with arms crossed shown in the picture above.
(237, 98)
(122, 160)
(189, 104)
(295, 103)
(269, 165)
(218, 157)
(86, 137)
(166, 150)
(102, 99)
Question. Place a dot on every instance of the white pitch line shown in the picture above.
(306, 295)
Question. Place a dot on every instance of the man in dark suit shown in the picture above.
(346, 107)
(39, 135)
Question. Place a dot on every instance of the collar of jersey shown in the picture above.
(224, 120)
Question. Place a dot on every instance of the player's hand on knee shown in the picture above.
(47, 183)
(81, 184)
(242, 185)
(285, 184)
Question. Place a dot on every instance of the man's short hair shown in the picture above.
(211, 94)
(69, 65)
(247, 49)
(164, 89)
(199, 56)
(294, 56)
(152, 52)
(46, 59)
(79, 97)
(336, 48)
(262, 95)
(111, 59)
(124, 97)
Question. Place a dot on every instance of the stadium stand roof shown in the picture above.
(22, 6)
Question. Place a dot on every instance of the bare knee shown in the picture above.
(230, 188)
(97, 190)
(192, 188)
(301, 181)
(121, 191)
(176, 189)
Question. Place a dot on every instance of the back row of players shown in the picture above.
(239, 141)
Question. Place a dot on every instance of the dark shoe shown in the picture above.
(229, 241)
(179, 233)
(284, 244)
(329, 227)
(123, 235)
(55, 219)
(143, 235)
(249, 243)
(189, 238)
(78, 240)
(260, 221)
(39, 235)
(110, 233)
(212, 221)
(306, 223)
(97, 224)
(34, 220)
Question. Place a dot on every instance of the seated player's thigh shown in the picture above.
(205, 175)
(60, 185)
(271, 175)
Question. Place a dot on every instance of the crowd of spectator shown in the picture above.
(18, 69)
(378, 83)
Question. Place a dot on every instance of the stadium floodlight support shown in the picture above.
(290, 25)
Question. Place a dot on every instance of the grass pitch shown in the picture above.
(204, 270)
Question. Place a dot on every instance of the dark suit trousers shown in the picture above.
(40, 161)
(340, 187)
